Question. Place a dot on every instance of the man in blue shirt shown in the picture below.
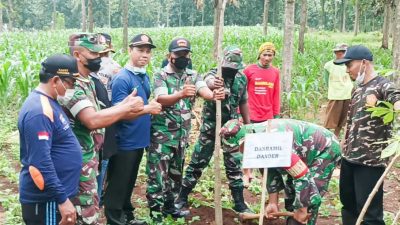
(50, 153)
(133, 136)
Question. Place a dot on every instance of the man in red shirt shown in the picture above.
(263, 90)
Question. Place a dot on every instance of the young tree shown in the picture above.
(265, 16)
(386, 24)
(357, 17)
(396, 38)
(343, 27)
(83, 5)
(288, 46)
(125, 4)
(90, 15)
(303, 24)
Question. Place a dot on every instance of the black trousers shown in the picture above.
(121, 177)
(41, 213)
(356, 183)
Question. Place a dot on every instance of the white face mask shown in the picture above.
(360, 76)
(64, 99)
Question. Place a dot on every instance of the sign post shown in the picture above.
(267, 150)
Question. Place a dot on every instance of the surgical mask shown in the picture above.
(139, 70)
(64, 99)
(360, 76)
(93, 64)
(181, 62)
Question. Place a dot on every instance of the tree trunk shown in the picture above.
(392, 27)
(343, 27)
(386, 25)
(202, 16)
(90, 15)
(180, 14)
(125, 24)
(10, 15)
(396, 39)
(168, 9)
(357, 18)
(109, 13)
(303, 24)
(83, 4)
(1, 17)
(53, 25)
(323, 21)
(218, 37)
(265, 17)
(335, 17)
(288, 46)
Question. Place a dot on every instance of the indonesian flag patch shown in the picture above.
(43, 135)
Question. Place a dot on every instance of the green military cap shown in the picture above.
(233, 58)
(93, 42)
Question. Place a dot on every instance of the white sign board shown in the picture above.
(267, 150)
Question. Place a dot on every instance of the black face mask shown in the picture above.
(181, 62)
(229, 72)
(93, 64)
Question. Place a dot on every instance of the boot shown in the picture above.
(240, 205)
(170, 209)
(182, 200)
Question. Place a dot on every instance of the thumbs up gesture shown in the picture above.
(133, 103)
(154, 107)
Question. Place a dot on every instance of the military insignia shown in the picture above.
(144, 38)
(297, 168)
(182, 43)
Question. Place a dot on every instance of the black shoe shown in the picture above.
(176, 213)
(240, 205)
(182, 200)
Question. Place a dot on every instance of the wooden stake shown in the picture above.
(217, 147)
(264, 185)
(396, 218)
(377, 185)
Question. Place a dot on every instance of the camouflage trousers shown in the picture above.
(321, 171)
(87, 200)
(203, 151)
(164, 171)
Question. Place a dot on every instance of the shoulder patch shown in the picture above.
(47, 109)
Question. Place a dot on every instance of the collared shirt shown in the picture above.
(171, 127)
(362, 131)
(339, 84)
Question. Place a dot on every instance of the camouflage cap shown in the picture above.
(340, 47)
(105, 39)
(233, 58)
(232, 133)
(93, 42)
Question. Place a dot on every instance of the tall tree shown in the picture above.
(220, 11)
(125, 4)
(10, 14)
(323, 15)
(303, 24)
(90, 15)
(265, 17)
(357, 17)
(1, 16)
(83, 5)
(396, 39)
(386, 24)
(54, 15)
(343, 27)
(288, 46)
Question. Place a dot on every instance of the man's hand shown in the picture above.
(218, 82)
(271, 208)
(219, 94)
(189, 90)
(154, 107)
(133, 103)
(68, 213)
(301, 215)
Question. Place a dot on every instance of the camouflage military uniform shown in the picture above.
(362, 131)
(236, 94)
(169, 135)
(87, 201)
(316, 147)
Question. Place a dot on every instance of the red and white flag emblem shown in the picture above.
(43, 135)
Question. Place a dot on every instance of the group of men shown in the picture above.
(87, 111)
